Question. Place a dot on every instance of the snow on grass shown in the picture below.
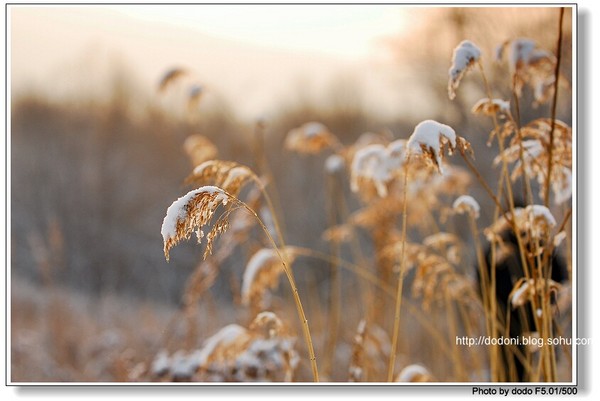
(466, 204)
(427, 139)
(178, 209)
(377, 163)
(465, 55)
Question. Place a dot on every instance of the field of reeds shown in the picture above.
(318, 245)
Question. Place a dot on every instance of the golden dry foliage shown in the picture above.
(525, 289)
(263, 352)
(375, 166)
(229, 176)
(530, 66)
(534, 140)
(199, 149)
(262, 273)
(534, 221)
(371, 347)
(190, 213)
(492, 107)
(310, 138)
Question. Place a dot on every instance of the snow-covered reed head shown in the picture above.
(492, 107)
(525, 289)
(534, 222)
(414, 374)
(429, 139)
(533, 143)
(311, 138)
(530, 65)
(465, 55)
(378, 165)
(262, 273)
(466, 204)
(190, 213)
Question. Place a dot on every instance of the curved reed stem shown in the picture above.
(554, 101)
(290, 276)
(396, 331)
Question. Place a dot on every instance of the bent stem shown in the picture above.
(290, 276)
(554, 101)
(392, 362)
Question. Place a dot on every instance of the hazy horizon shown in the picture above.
(62, 51)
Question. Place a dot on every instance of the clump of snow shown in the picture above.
(559, 238)
(412, 373)
(312, 129)
(161, 363)
(263, 269)
(466, 204)
(541, 212)
(178, 209)
(465, 55)
(378, 164)
(522, 293)
(562, 187)
(334, 163)
(429, 135)
(223, 338)
(523, 52)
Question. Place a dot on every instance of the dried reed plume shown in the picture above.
(532, 66)
(525, 289)
(430, 138)
(491, 107)
(311, 138)
(378, 165)
(199, 149)
(465, 55)
(466, 204)
(262, 272)
(190, 213)
(229, 176)
(534, 141)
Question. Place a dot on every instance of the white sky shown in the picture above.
(349, 31)
(254, 56)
